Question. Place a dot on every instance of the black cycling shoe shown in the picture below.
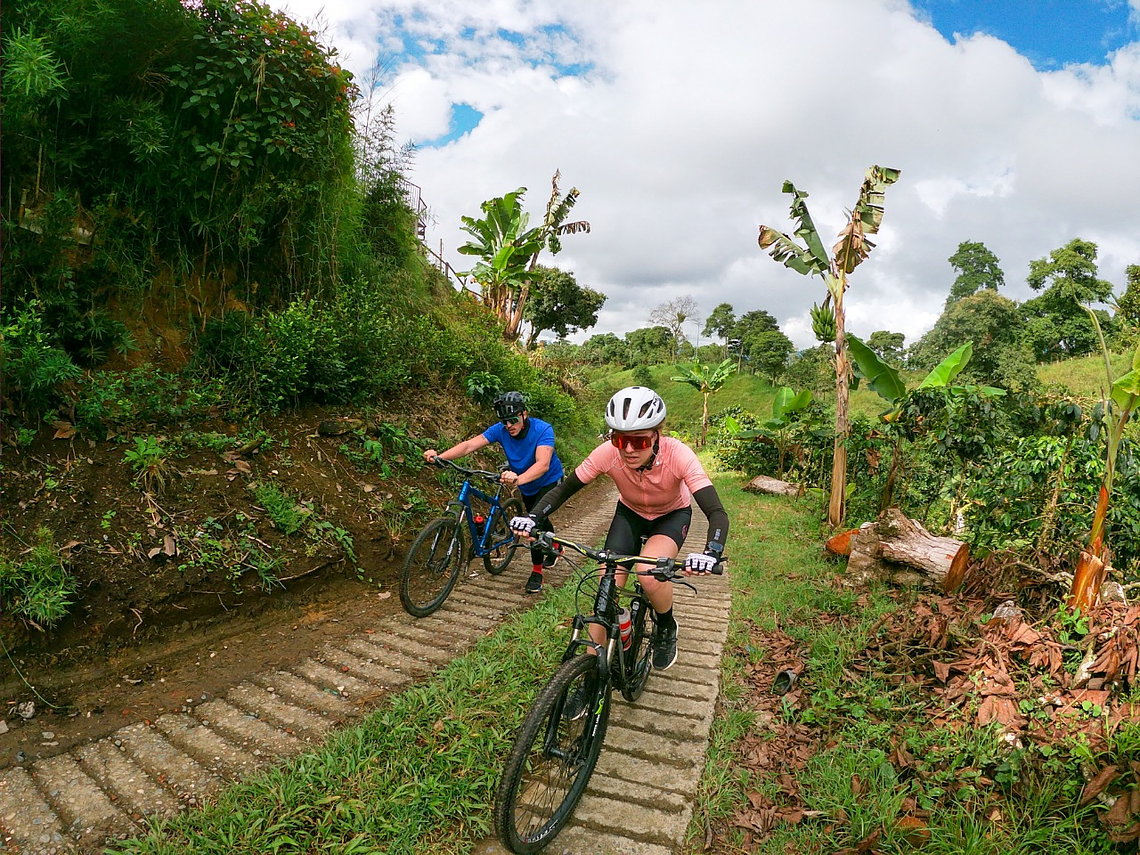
(578, 701)
(534, 584)
(665, 647)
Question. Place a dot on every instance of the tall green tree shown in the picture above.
(706, 379)
(720, 323)
(1055, 322)
(747, 331)
(978, 269)
(651, 345)
(769, 352)
(605, 348)
(889, 346)
(993, 323)
(558, 303)
(810, 258)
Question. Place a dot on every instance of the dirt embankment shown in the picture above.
(213, 562)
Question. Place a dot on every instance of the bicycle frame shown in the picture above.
(605, 614)
(616, 669)
(482, 542)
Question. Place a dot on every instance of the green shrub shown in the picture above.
(112, 399)
(285, 513)
(148, 460)
(35, 367)
(482, 386)
(38, 588)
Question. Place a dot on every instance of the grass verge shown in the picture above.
(859, 757)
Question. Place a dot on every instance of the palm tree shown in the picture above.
(812, 259)
(706, 380)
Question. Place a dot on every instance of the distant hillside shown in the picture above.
(1082, 377)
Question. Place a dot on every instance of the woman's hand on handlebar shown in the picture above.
(523, 526)
(699, 563)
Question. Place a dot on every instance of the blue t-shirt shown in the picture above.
(520, 452)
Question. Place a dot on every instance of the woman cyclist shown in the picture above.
(656, 477)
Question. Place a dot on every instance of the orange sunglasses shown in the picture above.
(637, 443)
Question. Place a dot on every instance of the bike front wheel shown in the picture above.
(501, 543)
(639, 657)
(552, 759)
(432, 566)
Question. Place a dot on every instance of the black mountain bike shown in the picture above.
(554, 756)
(445, 546)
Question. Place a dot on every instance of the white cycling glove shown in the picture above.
(698, 562)
(522, 525)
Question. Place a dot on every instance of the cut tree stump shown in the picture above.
(1087, 581)
(773, 486)
(900, 550)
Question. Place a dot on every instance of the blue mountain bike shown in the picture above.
(445, 546)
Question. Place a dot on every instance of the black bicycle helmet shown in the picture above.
(509, 404)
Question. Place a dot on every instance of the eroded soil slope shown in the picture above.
(238, 549)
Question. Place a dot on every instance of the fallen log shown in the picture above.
(900, 550)
(773, 487)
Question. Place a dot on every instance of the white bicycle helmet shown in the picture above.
(635, 408)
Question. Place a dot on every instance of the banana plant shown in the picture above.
(508, 250)
(776, 428)
(504, 246)
(1119, 402)
(706, 379)
(811, 259)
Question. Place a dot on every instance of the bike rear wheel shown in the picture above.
(432, 566)
(498, 557)
(639, 657)
(551, 761)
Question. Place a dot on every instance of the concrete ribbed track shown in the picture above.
(646, 778)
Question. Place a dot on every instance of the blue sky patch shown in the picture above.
(464, 119)
(1049, 33)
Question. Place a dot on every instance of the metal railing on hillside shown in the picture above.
(416, 203)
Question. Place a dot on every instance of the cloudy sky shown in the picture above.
(1014, 122)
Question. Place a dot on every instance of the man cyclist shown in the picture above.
(656, 477)
(534, 465)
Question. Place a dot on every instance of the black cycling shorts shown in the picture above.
(629, 529)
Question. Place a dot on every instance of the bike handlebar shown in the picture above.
(493, 477)
(664, 569)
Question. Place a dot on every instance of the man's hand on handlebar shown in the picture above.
(430, 456)
(508, 477)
